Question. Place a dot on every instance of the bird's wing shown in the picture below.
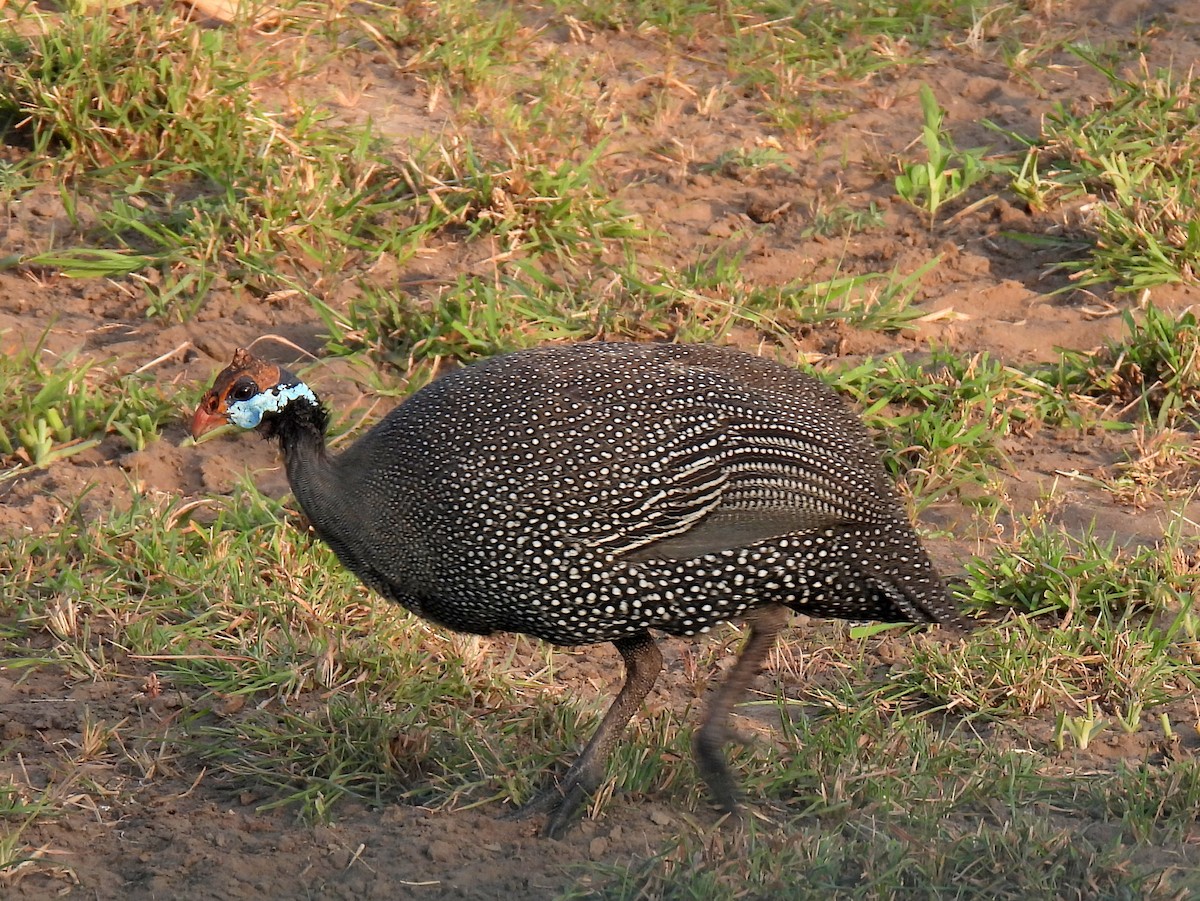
(750, 482)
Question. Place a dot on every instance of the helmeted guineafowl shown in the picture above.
(595, 492)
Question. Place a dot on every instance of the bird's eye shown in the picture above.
(243, 391)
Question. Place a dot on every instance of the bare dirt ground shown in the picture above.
(184, 834)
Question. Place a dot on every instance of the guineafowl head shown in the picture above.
(253, 394)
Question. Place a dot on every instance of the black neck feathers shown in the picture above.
(301, 423)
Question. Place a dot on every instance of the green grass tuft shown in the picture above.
(51, 411)
(1154, 372)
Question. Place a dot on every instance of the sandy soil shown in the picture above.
(180, 834)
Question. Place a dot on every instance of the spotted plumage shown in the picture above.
(594, 492)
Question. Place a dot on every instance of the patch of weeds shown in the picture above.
(942, 418)
(313, 207)
(1108, 669)
(440, 724)
(879, 301)
(680, 19)
(1155, 371)
(1026, 54)
(852, 751)
(530, 207)
(794, 54)
(1038, 189)
(1153, 803)
(701, 304)
(947, 173)
(457, 43)
(840, 220)
(477, 317)
(551, 108)
(1046, 568)
(1162, 464)
(240, 605)
(649, 760)
(1132, 156)
(424, 740)
(733, 162)
(135, 87)
(908, 853)
(76, 582)
(1125, 644)
(472, 318)
(20, 807)
(51, 412)
(190, 179)
(15, 179)
(524, 306)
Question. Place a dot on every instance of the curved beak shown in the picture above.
(206, 418)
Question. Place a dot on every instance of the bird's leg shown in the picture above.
(642, 665)
(709, 740)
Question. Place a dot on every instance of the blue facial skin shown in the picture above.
(247, 414)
